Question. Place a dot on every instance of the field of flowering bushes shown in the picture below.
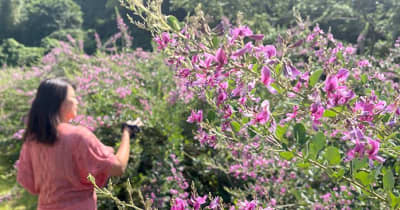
(231, 122)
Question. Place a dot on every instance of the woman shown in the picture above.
(56, 157)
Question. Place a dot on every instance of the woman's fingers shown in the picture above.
(138, 122)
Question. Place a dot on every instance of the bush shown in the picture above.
(303, 122)
(77, 36)
(42, 17)
(16, 54)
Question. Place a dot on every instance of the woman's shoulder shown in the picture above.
(66, 129)
(76, 135)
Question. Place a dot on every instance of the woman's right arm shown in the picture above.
(123, 150)
(122, 155)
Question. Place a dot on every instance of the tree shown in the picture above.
(10, 14)
(42, 17)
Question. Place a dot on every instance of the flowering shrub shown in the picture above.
(306, 103)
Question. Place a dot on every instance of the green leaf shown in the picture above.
(211, 116)
(329, 113)
(388, 180)
(278, 68)
(358, 164)
(332, 155)
(386, 117)
(364, 78)
(303, 165)
(317, 144)
(339, 174)
(276, 87)
(251, 133)
(315, 77)
(255, 67)
(364, 177)
(397, 167)
(280, 131)
(235, 126)
(245, 120)
(339, 108)
(287, 155)
(215, 42)
(394, 201)
(319, 141)
(299, 133)
(173, 22)
(339, 56)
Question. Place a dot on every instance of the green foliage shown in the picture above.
(317, 144)
(10, 15)
(332, 155)
(99, 15)
(42, 17)
(14, 53)
(77, 35)
(315, 77)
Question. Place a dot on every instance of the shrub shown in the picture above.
(16, 54)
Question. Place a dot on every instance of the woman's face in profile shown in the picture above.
(69, 107)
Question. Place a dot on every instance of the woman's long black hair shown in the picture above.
(43, 116)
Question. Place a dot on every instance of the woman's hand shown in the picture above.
(132, 127)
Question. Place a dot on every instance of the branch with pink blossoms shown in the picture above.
(307, 93)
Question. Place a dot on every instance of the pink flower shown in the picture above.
(245, 205)
(257, 37)
(350, 50)
(207, 61)
(179, 204)
(317, 110)
(184, 73)
(326, 197)
(228, 111)
(373, 152)
(221, 57)
(342, 75)
(269, 51)
(263, 116)
(224, 85)
(363, 63)
(197, 202)
(290, 71)
(266, 76)
(214, 203)
(246, 49)
(163, 40)
(123, 91)
(267, 80)
(242, 31)
(221, 97)
(19, 134)
(290, 116)
(195, 117)
(331, 84)
(358, 150)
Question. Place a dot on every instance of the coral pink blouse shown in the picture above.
(58, 173)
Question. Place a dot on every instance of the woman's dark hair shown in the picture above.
(43, 116)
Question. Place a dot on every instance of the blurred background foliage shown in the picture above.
(373, 25)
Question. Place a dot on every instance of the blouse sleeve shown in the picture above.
(93, 157)
(24, 170)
